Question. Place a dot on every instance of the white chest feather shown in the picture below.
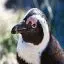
(28, 52)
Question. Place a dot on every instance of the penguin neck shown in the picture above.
(23, 45)
(28, 52)
(27, 49)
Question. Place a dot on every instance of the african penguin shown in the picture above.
(36, 44)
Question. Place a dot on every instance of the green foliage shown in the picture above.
(9, 44)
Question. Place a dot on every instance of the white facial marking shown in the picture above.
(29, 52)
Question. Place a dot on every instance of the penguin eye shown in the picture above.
(34, 26)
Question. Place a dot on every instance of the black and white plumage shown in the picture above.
(36, 44)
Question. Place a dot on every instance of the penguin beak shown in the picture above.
(19, 28)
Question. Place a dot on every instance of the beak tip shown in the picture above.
(19, 28)
(13, 30)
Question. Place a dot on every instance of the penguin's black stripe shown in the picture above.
(20, 61)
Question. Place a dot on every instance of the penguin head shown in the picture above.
(33, 27)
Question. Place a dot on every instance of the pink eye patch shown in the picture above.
(33, 21)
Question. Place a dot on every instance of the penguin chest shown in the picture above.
(29, 54)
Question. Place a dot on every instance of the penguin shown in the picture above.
(36, 44)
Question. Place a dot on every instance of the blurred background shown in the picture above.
(11, 11)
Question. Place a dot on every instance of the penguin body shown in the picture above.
(36, 44)
(50, 55)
